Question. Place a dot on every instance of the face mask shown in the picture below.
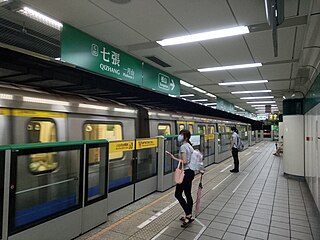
(180, 138)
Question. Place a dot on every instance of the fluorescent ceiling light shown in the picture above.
(6, 96)
(170, 95)
(255, 91)
(200, 100)
(204, 36)
(264, 97)
(263, 105)
(45, 101)
(186, 84)
(210, 104)
(249, 65)
(283, 97)
(124, 110)
(211, 95)
(93, 106)
(261, 102)
(187, 95)
(163, 114)
(243, 82)
(199, 90)
(41, 18)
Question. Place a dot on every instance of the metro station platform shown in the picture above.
(256, 203)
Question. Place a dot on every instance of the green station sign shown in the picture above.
(89, 53)
(161, 81)
(224, 105)
(83, 50)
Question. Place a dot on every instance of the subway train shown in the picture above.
(33, 116)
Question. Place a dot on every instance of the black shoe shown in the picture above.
(187, 222)
(234, 171)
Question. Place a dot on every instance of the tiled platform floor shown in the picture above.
(256, 203)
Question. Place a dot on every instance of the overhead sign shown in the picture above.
(87, 52)
(160, 81)
(146, 143)
(121, 146)
(224, 105)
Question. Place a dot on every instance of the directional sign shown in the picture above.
(160, 81)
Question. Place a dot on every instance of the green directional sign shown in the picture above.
(224, 105)
(160, 81)
(89, 53)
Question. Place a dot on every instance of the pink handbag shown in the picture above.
(179, 173)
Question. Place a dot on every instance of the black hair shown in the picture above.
(234, 129)
(186, 135)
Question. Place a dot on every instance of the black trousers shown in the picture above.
(235, 158)
(185, 187)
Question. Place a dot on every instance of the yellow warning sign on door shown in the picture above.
(208, 137)
(146, 143)
(121, 146)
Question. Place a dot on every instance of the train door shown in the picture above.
(190, 127)
(43, 178)
(210, 141)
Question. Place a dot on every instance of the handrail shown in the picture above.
(48, 185)
(50, 144)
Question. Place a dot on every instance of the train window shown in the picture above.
(164, 129)
(211, 129)
(202, 129)
(221, 128)
(97, 131)
(42, 131)
(181, 127)
(191, 129)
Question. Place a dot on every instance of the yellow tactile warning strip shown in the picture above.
(149, 231)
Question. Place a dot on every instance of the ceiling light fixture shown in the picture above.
(205, 36)
(200, 100)
(187, 95)
(255, 91)
(211, 95)
(242, 82)
(186, 84)
(263, 97)
(261, 102)
(248, 65)
(199, 90)
(40, 18)
(45, 101)
(210, 104)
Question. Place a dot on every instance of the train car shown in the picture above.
(31, 116)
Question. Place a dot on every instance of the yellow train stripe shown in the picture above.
(5, 111)
(35, 113)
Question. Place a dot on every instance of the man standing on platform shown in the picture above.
(234, 149)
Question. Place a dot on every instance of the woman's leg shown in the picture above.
(189, 175)
(178, 195)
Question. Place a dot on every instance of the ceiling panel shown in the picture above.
(276, 71)
(234, 88)
(75, 12)
(218, 76)
(278, 85)
(243, 7)
(214, 89)
(196, 16)
(246, 74)
(291, 8)
(144, 16)
(160, 53)
(194, 78)
(304, 7)
(229, 51)
(252, 87)
(261, 45)
(193, 54)
(299, 41)
(121, 34)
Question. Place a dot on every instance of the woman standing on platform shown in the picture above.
(185, 152)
